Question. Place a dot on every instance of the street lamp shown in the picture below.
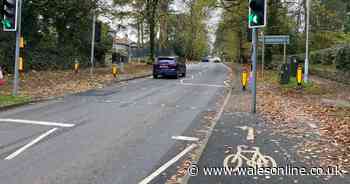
(306, 72)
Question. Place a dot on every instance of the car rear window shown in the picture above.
(166, 60)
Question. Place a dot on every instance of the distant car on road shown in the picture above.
(205, 60)
(216, 60)
(169, 66)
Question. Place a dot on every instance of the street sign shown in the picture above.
(275, 39)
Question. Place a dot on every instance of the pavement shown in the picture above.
(242, 141)
(120, 134)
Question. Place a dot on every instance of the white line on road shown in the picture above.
(36, 122)
(205, 85)
(184, 138)
(166, 165)
(19, 151)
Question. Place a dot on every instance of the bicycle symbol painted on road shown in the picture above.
(257, 160)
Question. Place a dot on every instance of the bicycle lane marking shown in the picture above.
(257, 160)
(250, 132)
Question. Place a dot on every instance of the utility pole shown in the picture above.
(92, 57)
(18, 37)
(254, 43)
(306, 72)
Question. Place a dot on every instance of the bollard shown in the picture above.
(21, 65)
(76, 66)
(244, 79)
(114, 70)
(299, 75)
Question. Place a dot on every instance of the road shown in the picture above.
(119, 134)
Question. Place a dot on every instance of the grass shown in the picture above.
(12, 100)
(309, 88)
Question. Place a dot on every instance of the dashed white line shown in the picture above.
(185, 138)
(156, 173)
(36, 122)
(19, 151)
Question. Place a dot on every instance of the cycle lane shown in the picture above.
(233, 132)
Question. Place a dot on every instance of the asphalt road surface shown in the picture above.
(120, 134)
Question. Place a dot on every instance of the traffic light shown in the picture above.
(257, 13)
(9, 21)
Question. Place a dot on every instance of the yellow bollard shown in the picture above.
(114, 70)
(300, 75)
(76, 66)
(244, 79)
(20, 65)
(21, 43)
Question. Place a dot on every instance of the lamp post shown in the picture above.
(306, 72)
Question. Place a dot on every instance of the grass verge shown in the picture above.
(12, 100)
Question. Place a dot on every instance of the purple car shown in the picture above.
(169, 66)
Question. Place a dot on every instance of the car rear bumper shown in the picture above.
(167, 72)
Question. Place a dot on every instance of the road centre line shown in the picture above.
(156, 173)
(36, 122)
(185, 138)
(19, 151)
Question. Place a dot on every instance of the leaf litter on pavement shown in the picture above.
(313, 116)
(44, 84)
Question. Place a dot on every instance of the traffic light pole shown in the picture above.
(254, 44)
(18, 37)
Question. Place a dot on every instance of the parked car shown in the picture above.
(169, 66)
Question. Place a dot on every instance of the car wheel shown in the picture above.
(155, 76)
(184, 74)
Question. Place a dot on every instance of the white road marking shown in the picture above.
(250, 135)
(185, 138)
(205, 85)
(19, 151)
(167, 165)
(36, 122)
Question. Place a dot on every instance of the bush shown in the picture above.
(343, 59)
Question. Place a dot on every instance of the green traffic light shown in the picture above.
(253, 18)
(7, 24)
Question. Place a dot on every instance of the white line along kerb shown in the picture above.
(36, 122)
(166, 165)
(19, 151)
